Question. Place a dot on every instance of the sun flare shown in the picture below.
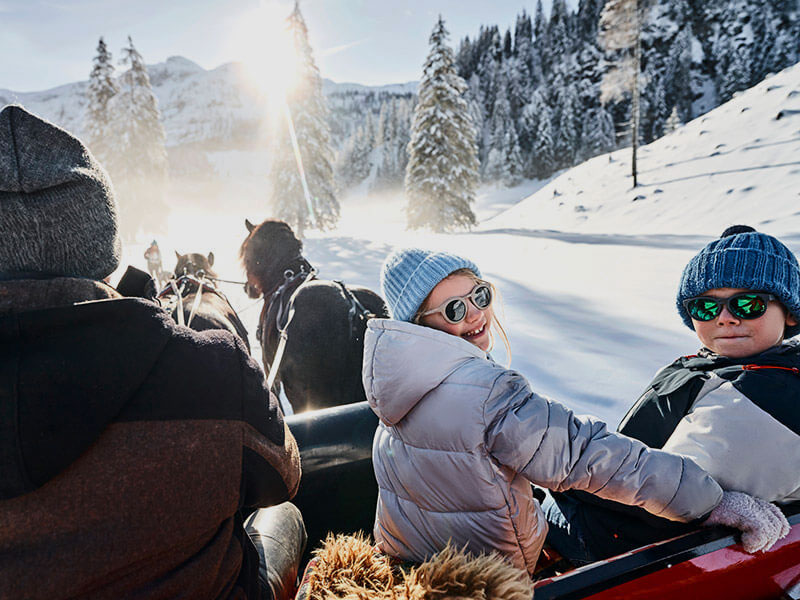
(268, 54)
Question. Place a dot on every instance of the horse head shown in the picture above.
(194, 264)
(267, 251)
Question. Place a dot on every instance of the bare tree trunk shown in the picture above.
(637, 67)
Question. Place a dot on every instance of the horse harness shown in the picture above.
(181, 286)
(281, 301)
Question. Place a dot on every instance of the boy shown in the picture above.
(732, 407)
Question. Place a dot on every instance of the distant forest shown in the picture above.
(537, 85)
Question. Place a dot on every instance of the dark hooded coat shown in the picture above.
(131, 449)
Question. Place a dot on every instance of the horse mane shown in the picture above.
(269, 250)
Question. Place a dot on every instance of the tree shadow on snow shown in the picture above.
(661, 240)
(589, 360)
(353, 261)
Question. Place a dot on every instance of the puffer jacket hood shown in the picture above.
(71, 353)
(392, 387)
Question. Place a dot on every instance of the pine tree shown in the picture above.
(659, 111)
(558, 32)
(621, 24)
(474, 98)
(598, 135)
(542, 155)
(489, 69)
(354, 163)
(138, 161)
(673, 122)
(442, 169)
(569, 133)
(102, 88)
(503, 162)
(736, 76)
(308, 117)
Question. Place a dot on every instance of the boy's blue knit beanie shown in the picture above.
(409, 275)
(743, 258)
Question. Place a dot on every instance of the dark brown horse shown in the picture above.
(193, 274)
(321, 364)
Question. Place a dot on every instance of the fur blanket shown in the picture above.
(349, 568)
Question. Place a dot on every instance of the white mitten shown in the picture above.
(761, 523)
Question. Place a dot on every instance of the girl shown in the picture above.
(461, 438)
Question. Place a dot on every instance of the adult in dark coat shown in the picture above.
(132, 450)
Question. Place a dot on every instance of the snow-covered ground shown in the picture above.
(587, 267)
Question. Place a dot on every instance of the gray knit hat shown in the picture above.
(57, 211)
(409, 275)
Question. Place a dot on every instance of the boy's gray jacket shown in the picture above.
(461, 438)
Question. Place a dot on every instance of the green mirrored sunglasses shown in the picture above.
(744, 305)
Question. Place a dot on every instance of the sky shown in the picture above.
(45, 43)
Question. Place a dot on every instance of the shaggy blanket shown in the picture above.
(349, 568)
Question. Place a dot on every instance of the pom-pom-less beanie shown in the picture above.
(409, 275)
(57, 211)
(747, 260)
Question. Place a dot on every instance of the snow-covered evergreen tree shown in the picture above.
(442, 169)
(569, 127)
(354, 162)
(542, 162)
(391, 141)
(138, 159)
(474, 98)
(673, 122)
(102, 88)
(598, 133)
(503, 162)
(308, 114)
(736, 72)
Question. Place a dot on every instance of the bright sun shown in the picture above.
(267, 51)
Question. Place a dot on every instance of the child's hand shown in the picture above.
(761, 523)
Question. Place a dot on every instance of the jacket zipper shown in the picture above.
(794, 370)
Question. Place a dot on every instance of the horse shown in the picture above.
(204, 307)
(323, 321)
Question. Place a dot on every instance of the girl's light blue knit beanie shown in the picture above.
(409, 275)
(743, 258)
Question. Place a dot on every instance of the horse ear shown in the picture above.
(210, 259)
(249, 225)
(178, 255)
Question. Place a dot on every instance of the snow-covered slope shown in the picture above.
(739, 162)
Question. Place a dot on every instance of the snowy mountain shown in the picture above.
(214, 109)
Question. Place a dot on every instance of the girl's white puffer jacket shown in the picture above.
(461, 439)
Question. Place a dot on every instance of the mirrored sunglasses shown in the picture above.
(745, 305)
(455, 309)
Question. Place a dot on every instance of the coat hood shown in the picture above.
(72, 355)
(403, 362)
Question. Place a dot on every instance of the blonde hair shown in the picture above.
(496, 324)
